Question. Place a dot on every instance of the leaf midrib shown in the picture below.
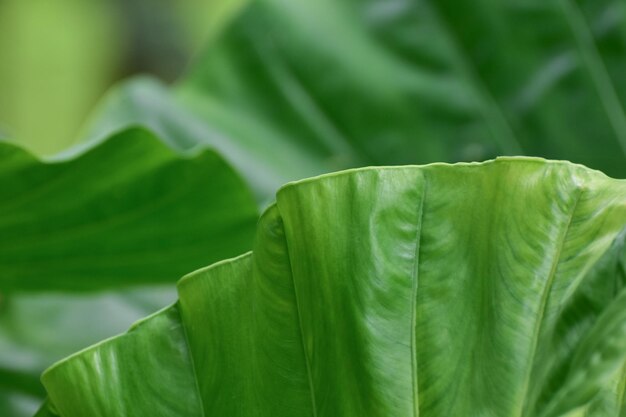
(415, 278)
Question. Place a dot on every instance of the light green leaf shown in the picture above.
(128, 211)
(442, 290)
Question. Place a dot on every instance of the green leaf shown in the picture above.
(128, 211)
(599, 358)
(20, 382)
(441, 290)
(85, 220)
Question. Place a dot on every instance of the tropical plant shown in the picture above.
(285, 90)
(493, 289)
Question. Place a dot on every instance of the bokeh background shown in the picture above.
(57, 58)
(273, 91)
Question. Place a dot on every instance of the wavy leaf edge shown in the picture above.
(214, 269)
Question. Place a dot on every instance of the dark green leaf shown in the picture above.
(393, 81)
(128, 211)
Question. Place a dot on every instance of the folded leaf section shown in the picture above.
(491, 289)
(243, 325)
(353, 239)
(145, 372)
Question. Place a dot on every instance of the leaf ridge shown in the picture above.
(545, 296)
(60, 180)
(307, 360)
(193, 364)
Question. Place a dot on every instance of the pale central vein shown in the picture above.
(415, 377)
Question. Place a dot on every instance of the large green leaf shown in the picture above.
(128, 211)
(395, 81)
(493, 289)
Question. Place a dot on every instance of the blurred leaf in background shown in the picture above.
(397, 81)
(57, 57)
(129, 211)
(289, 89)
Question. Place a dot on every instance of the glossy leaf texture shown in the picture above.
(127, 211)
(491, 289)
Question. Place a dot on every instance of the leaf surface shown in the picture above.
(468, 289)
(128, 211)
